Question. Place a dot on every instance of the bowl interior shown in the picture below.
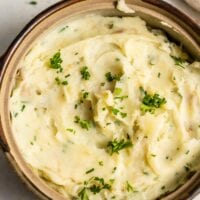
(155, 16)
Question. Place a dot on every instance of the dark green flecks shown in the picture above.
(23, 108)
(129, 187)
(151, 102)
(89, 171)
(178, 61)
(71, 130)
(55, 62)
(33, 2)
(85, 73)
(110, 77)
(83, 194)
(85, 124)
(94, 185)
(117, 145)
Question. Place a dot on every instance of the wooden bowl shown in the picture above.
(157, 13)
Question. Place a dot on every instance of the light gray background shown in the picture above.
(14, 15)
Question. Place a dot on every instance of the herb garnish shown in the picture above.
(61, 82)
(71, 130)
(129, 187)
(83, 194)
(33, 2)
(110, 77)
(115, 111)
(100, 163)
(85, 124)
(151, 102)
(85, 73)
(116, 145)
(89, 171)
(178, 61)
(23, 107)
(55, 62)
(94, 185)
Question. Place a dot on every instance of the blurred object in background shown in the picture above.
(194, 4)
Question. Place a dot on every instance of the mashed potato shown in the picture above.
(105, 108)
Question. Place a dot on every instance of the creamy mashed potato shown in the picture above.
(104, 108)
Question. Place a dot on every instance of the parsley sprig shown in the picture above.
(85, 73)
(116, 145)
(85, 124)
(110, 77)
(55, 62)
(94, 185)
(178, 61)
(151, 102)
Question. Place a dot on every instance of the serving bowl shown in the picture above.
(179, 27)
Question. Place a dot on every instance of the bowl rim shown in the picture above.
(4, 61)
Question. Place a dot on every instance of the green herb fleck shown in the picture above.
(85, 73)
(71, 130)
(145, 173)
(116, 145)
(33, 2)
(117, 59)
(163, 187)
(55, 61)
(110, 77)
(187, 152)
(102, 84)
(151, 102)
(83, 194)
(89, 171)
(153, 155)
(129, 187)
(159, 75)
(114, 169)
(63, 29)
(121, 97)
(100, 163)
(178, 61)
(85, 124)
(23, 107)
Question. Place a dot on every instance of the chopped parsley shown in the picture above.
(115, 111)
(121, 97)
(145, 173)
(159, 75)
(85, 124)
(85, 73)
(55, 62)
(114, 169)
(85, 94)
(110, 77)
(83, 194)
(89, 171)
(71, 130)
(178, 61)
(151, 102)
(94, 185)
(100, 163)
(98, 184)
(61, 82)
(33, 2)
(129, 187)
(23, 107)
(116, 145)
(63, 29)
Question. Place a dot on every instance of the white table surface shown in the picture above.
(14, 15)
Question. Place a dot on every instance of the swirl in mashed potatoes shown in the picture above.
(104, 108)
